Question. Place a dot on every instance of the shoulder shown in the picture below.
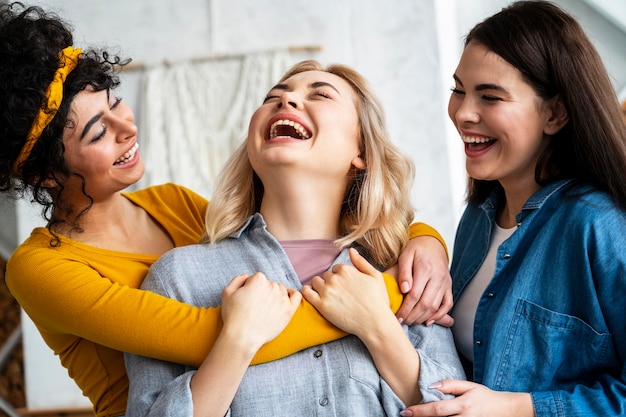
(590, 207)
(190, 258)
(589, 217)
(189, 254)
(37, 249)
(169, 194)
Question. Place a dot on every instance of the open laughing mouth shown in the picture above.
(288, 129)
(128, 156)
(478, 143)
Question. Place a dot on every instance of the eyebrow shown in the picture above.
(481, 87)
(95, 118)
(316, 84)
(90, 123)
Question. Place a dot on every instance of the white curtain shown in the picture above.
(194, 114)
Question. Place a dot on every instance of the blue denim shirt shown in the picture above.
(334, 379)
(552, 320)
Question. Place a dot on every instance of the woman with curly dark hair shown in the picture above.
(68, 142)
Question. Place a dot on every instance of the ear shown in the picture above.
(558, 116)
(359, 163)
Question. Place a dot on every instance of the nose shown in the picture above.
(128, 130)
(287, 99)
(123, 119)
(461, 109)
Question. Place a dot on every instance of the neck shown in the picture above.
(307, 208)
(516, 195)
(105, 218)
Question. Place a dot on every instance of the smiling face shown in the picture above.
(101, 143)
(308, 122)
(502, 121)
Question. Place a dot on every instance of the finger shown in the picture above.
(295, 297)
(361, 263)
(236, 283)
(405, 272)
(441, 408)
(441, 316)
(317, 282)
(408, 304)
(407, 311)
(446, 321)
(454, 386)
(311, 295)
(427, 305)
(256, 277)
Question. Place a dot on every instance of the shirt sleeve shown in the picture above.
(422, 229)
(438, 358)
(158, 388)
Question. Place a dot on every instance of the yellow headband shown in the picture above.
(54, 96)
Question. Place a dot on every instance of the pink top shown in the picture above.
(310, 257)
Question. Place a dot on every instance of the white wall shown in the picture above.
(407, 49)
(366, 34)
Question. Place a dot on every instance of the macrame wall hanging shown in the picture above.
(194, 114)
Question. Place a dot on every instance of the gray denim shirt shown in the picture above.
(334, 379)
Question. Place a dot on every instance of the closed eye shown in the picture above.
(457, 91)
(321, 94)
(100, 135)
(491, 98)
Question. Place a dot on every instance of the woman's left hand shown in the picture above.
(350, 297)
(424, 278)
(474, 400)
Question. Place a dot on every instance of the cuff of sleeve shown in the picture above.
(547, 403)
(422, 229)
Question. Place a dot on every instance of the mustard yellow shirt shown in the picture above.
(85, 302)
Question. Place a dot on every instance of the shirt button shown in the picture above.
(317, 353)
(323, 401)
(490, 295)
(479, 343)
(506, 256)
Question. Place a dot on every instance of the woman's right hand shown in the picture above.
(257, 309)
(254, 311)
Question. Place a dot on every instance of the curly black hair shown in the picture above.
(30, 42)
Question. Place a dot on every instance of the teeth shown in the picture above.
(297, 126)
(467, 139)
(127, 156)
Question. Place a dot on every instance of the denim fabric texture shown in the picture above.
(552, 320)
(334, 379)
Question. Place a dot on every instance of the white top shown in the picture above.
(465, 306)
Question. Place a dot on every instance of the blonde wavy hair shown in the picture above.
(376, 212)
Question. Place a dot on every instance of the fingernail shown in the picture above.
(406, 413)
(430, 323)
(401, 320)
(436, 385)
(404, 287)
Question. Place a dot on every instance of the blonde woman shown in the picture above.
(316, 179)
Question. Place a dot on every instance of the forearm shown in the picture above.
(395, 357)
(215, 384)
